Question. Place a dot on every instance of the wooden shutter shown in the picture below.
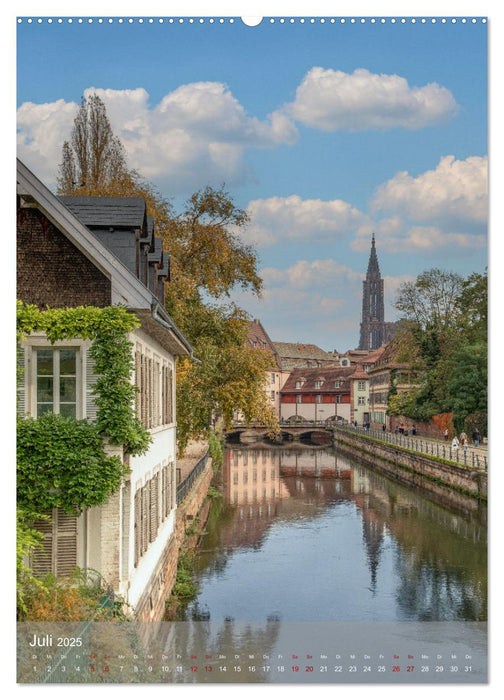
(58, 551)
(41, 558)
(138, 382)
(138, 525)
(156, 392)
(145, 517)
(89, 382)
(22, 381)
(150, 402)
(65, 543)
(154, 508)
(169, 395)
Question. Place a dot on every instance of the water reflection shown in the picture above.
(307, 534)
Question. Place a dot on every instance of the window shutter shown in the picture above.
(57, 553)
(66, 543)
(138, 526)
(89, 381)
(138, 382)
(22, 381)
(156, 421)
(145, 518)
(154, 508)
(41, 558)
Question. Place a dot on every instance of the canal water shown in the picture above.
(310, 535)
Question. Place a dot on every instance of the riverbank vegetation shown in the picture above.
(444, 339)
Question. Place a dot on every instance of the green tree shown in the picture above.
(467, 386)
(447, 325)
(208, 260)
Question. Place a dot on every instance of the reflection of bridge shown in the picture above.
(309, 432)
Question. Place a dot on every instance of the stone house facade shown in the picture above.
(101, 252)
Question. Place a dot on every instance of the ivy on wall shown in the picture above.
(61, 460)
(61, 464)
(114, 393)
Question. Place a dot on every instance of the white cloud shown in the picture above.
(455, 192)
(332, 100)
(196, 134)
(280, 219)
(402, 237)
(314, 274)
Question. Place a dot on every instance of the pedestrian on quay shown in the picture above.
(446, 434)
(384, 427)
(476, 437)
(455, 443)
(401, 428)
(413, 430)
(464, 441)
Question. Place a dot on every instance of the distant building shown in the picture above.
(359, 396)
(319, 394)
(275, 378)
(374, 330)
(294, 355)
(390, 373)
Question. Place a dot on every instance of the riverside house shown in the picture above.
(103, 251)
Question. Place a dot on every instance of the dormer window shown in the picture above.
(318, 383)
(337, 384)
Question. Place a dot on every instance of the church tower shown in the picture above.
(373, 326)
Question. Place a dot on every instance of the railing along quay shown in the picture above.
(467, 458)
(185, 486)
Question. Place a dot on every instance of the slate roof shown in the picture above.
(127, 212)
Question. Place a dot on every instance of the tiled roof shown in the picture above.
(257, 334)
(360, 373)
(329, 375)
(107, 211)
(302, 351)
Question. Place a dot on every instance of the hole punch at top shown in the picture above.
(252, 21)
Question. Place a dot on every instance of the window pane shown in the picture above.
(45, 361)
(44, 408)
(68, 409)
(67, 361)
(67, 389)
(44, 389)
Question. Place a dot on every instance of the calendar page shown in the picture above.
(252, 349)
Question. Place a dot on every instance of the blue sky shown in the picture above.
(324, 132)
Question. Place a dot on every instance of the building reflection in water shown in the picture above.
(428, 558)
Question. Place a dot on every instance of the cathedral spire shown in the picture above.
(373, 265)
(372, 331)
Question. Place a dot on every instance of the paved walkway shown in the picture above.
(475, 457)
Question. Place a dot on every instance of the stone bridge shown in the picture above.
(300, 432)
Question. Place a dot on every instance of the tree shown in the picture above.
(208, 259)
(447, 317)
(473, 305)
(431, 301)
(94, 159)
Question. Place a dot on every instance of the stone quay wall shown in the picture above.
(412, 467)
(151, 606)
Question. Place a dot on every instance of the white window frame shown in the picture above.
(33, 346)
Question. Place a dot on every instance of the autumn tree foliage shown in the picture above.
(208, 260)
